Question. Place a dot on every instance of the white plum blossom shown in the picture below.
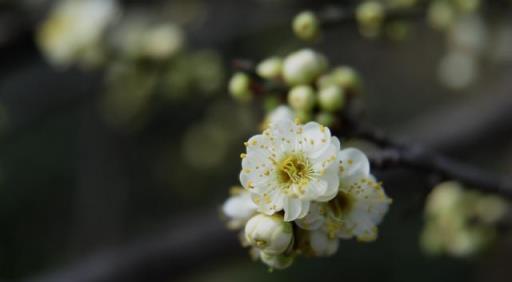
(74, 30)
(303, 193)
(289, 166)
(357, 209)
(238, 208)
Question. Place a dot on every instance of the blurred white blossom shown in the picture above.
(74, 31)
(460, 222)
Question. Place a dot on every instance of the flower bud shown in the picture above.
(440, 15)
(370, 15)
(302, 67)
(444, 198)
(331, 98)
(490, 208)
(270, 234)
(239, 87)
(270, 68)
(347, 78)
(162, 42)
(306, 26)
(301, 98)
(277, 262)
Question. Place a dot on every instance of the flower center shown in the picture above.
(342, 204)
(294, 169)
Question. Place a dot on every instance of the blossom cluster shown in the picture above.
(460, 222)
(301, 193)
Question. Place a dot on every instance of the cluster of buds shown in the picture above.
(301, 193)
(315, 92)
(460, 222)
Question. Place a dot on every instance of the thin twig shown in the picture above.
(194, 240)
(419, 158)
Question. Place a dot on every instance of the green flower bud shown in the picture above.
(269, 233)
(444, 198)
(440, 15)
(270, 68)
(325, 118)
(370, 15)
(490, 208)
(331, 98)
(162, 42)
(239, 87)
(301, 98)
(306, 26)
(304, 66)
(277, 262)
(347, 78)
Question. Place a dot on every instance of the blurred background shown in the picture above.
(119, 141)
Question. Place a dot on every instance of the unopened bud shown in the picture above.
(331, 98)
(239, 87)
(271, 234)
(301, 98)
(306, 26)
(370, 15)
(304, 66)
(347, 78)
(270, 68)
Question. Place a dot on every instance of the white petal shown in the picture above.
(313, 220)
(292, 208)
(278, 114)
(331, 178)
(354, 165)
(314, 137)
(269, 203)
(315, 189)
(321, 244)
(239, 206)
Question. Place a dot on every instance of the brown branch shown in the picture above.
(421, 159)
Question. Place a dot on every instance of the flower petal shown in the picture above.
(354, 165)
(292, 208)
(321, 244)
